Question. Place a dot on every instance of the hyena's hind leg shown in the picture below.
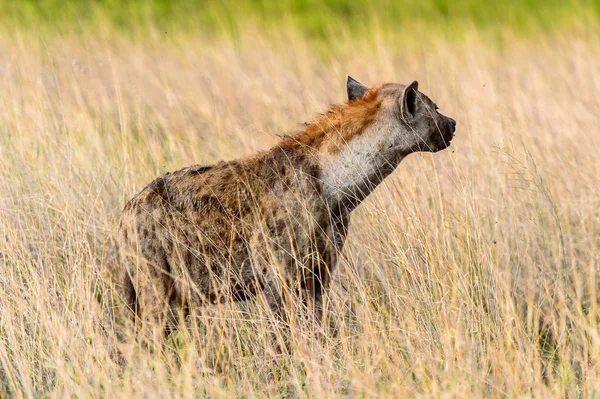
(149, 293)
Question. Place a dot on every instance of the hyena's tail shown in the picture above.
(129, 294)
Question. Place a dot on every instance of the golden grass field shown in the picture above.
(472, 272)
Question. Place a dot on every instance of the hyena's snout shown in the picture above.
(444, 134)
(452, 124)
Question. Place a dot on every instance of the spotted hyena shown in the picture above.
(275, 222)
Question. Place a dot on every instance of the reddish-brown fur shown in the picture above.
(339, 124)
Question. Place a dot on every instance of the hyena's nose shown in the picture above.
(453, 124)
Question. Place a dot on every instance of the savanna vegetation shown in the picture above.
(472, 272)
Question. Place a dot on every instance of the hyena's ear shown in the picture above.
(408, 104)
(355, 88)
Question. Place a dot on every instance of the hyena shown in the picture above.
(273, 223)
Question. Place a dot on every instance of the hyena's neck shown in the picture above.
(348, 143)
(352, 173)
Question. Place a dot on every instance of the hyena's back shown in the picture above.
(209, 234)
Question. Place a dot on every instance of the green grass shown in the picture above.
(314, 18)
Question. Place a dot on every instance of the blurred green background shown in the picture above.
(317, 19)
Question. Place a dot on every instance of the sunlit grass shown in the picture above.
(471, 272)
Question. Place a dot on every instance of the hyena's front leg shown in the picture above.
(326, 250)
(317, 271)
(273, 293)
(316, 283)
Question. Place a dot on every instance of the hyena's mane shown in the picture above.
(338, 124)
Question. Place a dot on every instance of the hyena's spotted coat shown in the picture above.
(275, 222)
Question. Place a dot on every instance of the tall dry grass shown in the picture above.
(471, 272)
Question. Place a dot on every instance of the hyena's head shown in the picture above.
(362, 141)
(408, 120)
